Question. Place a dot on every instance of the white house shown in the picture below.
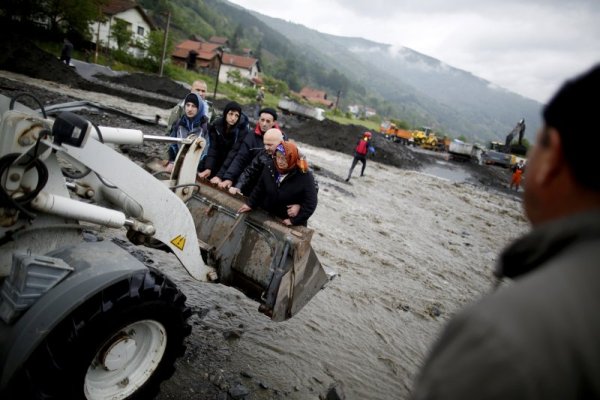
(247, 66)
(138, 23)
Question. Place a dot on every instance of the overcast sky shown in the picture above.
(529, 47)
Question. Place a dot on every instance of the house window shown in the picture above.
(140, 30)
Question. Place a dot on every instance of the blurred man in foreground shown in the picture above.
(539, 337)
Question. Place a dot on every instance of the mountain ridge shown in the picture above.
(426, 90)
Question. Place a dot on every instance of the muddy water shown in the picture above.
(410, 250)
(451, 172)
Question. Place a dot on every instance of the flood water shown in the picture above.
(410, 249)
(452, 172)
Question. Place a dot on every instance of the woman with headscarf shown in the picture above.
(284, 182)
(226, 134)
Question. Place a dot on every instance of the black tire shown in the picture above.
(58, 367)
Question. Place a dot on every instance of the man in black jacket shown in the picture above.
(538, 337)
(251, 173)
(250, 147)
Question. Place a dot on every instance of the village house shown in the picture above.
(354, 109)
(370, 112)
(361, 111)
(220, 40)
(316, 96)
(206, 54)
(209, 55)
(248, 68)
(138, 23)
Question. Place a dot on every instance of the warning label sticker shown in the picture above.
(178, 241)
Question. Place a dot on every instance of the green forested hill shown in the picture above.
(399, 83)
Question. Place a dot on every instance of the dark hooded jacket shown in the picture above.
(186, 126)
(225, 143)
(251, 146)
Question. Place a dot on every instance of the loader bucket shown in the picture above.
(254, 252)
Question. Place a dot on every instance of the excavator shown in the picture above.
(519, 148)
(506, 154)
(86, 319)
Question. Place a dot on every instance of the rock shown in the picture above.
(239, 391)
(334, 392)
(232, 335)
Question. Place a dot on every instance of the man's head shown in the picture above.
(199, 87)
(191, 105)
(562, 176)
(266, 118)
(271, 139)
(232, 113)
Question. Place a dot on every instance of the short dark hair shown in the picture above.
(269, 110)
(574, 112)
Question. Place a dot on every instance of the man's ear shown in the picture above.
(553, 158)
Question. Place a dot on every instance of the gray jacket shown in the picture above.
(539, 337)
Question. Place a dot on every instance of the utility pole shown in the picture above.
(162, 59)
(337, 99)
(97, 43)
(220, 57)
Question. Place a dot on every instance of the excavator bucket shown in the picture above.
(271, 263)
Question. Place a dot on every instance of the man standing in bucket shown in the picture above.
(538, 336)
(363, 147)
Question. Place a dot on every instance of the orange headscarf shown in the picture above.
(292, 156)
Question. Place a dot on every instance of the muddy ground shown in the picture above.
(410, 249)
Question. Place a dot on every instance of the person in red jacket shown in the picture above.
(363, 147)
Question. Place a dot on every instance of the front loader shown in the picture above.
(83, 319)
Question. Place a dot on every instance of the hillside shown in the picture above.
(425, 90)
(397, 82)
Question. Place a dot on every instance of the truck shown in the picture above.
(395, 134)
(294, 108)
(461, 151)
(87, 319)
(494, 157)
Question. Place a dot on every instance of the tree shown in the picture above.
(275, 86)
(155, 45)
(20, 10)
(237, 36)
(234, 76)
(73, 15)
(121, 34)
(258, 51)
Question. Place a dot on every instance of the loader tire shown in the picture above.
(120, 344)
